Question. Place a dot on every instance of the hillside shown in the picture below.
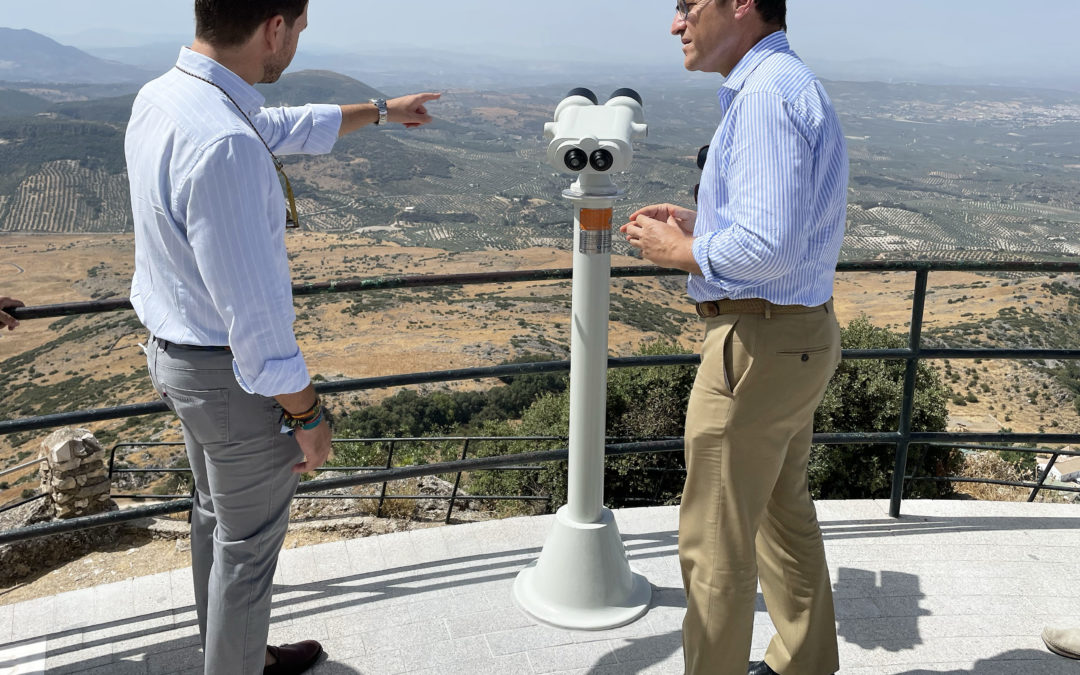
(26, 56)
(15, 103)
(945, 171)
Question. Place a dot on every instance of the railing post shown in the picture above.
(382, 494)
(907, 408)
(112, 459)
(1043, 477)
(457, 482)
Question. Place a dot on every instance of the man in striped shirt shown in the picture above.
(212, 286)
(761, 253)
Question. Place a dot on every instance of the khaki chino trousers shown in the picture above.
(746, 511)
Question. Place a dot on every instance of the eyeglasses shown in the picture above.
(684, 10)
(292, 218)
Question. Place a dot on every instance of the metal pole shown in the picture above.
(457, 482)
(590, 308)
(582, 579)
(907, 408)
(1042, 478)
(382, 494)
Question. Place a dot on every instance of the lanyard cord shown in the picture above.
(277, 162)
(292, 219)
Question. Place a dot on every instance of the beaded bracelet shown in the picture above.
(319, 419)
(307, 417)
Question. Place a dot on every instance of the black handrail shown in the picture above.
(903, 438)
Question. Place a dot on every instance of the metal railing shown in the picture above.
(391, 443)
(903, 438)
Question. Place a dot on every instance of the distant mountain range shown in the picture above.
(26, 56)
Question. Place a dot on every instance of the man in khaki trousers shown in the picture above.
(761, 253)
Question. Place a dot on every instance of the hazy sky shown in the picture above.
(985, 35)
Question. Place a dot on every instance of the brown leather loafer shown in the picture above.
(293, 659)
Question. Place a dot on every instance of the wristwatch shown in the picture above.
(380, 103)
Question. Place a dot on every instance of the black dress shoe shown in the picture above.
(761, 668)
(293, 659)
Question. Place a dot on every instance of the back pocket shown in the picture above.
(205, 414)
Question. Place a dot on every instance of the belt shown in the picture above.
(166, 345)
(712, 308)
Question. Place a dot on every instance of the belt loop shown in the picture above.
(768, 310)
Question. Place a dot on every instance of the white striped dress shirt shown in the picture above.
(211, 267)
(773, 198)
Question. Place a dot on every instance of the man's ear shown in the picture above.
(274, 33)
(743, 7)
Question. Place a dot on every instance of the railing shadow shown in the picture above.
(918, 525)
(293, 602)
(1012, 662)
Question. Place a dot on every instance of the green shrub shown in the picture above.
(866, 395)
(641, 403)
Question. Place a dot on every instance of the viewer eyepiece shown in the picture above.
(627, 92)
(576, 160)
(582, 91)
(601, 160)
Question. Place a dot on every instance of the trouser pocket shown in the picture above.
(205, 413)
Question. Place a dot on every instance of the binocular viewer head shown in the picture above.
(589, 138)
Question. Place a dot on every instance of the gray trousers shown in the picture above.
(242, 465)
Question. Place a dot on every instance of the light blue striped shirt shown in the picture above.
(773, 198)
(210, 261)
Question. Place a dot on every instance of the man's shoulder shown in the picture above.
(203, 118)
(782, 73)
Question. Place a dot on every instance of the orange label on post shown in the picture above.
(596, 220)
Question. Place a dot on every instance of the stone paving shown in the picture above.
(950, 588)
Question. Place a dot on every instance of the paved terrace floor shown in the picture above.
(952, 587)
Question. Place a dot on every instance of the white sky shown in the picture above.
(984, 35)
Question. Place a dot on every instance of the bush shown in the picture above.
(641, 403)
(866, 396)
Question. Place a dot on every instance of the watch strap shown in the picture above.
(380, 104)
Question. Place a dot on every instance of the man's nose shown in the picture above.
(677, 25)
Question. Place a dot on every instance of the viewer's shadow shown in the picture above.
(873, 615)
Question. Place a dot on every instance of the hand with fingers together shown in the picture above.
(6, 319)
(410, 110)
(664, 233)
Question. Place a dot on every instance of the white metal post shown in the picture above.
(590, 310)
(582, 579)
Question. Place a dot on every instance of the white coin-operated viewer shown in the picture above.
(582, 579)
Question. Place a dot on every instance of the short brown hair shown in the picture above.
(229, 23)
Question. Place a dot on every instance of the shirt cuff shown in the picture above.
(278, 376)
(701, 248)
(326, 126)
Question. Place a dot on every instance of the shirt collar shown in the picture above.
(769, 45)
(246, 96)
